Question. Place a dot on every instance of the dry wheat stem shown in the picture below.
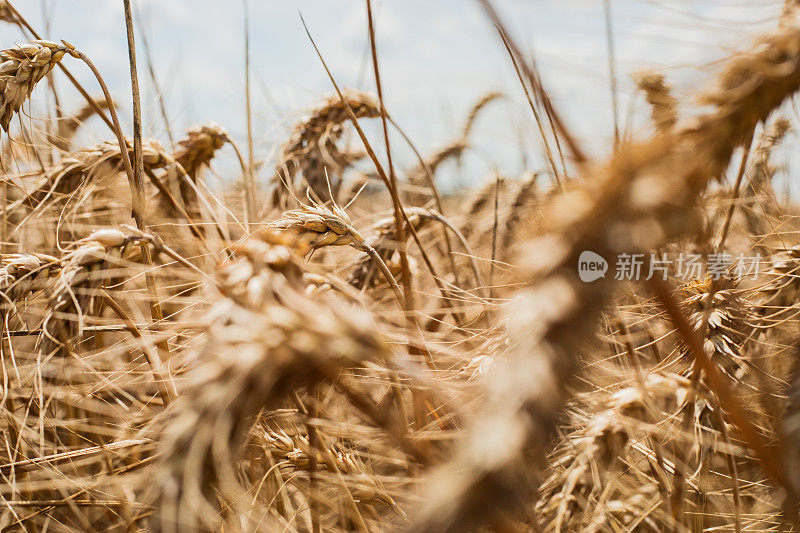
(548, 152)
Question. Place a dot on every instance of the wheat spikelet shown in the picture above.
(663, 107)
(22, 67)
(298, 452)
(720, 314)
(608, 472)
(86, 164)
(193, 153)
(270, 339)
(476, 109)
(319, 226)
(81, 273)
(311, 157)
(198, 148)
(23, 273)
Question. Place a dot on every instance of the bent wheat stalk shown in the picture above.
(648, 189)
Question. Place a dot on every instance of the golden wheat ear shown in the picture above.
(313, 147)
(663, 105)
(22, 67)
(271, 339)
(649, 189)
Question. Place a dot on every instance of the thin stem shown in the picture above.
(612, 69)
(154, 80)
(376, 258)
(538, 88)
(398, 217)
(123, 145)
(535, 112)
(138, 156)
(249, 181)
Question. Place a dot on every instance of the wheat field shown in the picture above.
(329, 340)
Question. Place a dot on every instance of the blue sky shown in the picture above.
(437, 57)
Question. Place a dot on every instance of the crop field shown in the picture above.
(326, 337)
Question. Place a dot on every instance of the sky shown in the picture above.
(437, 57)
